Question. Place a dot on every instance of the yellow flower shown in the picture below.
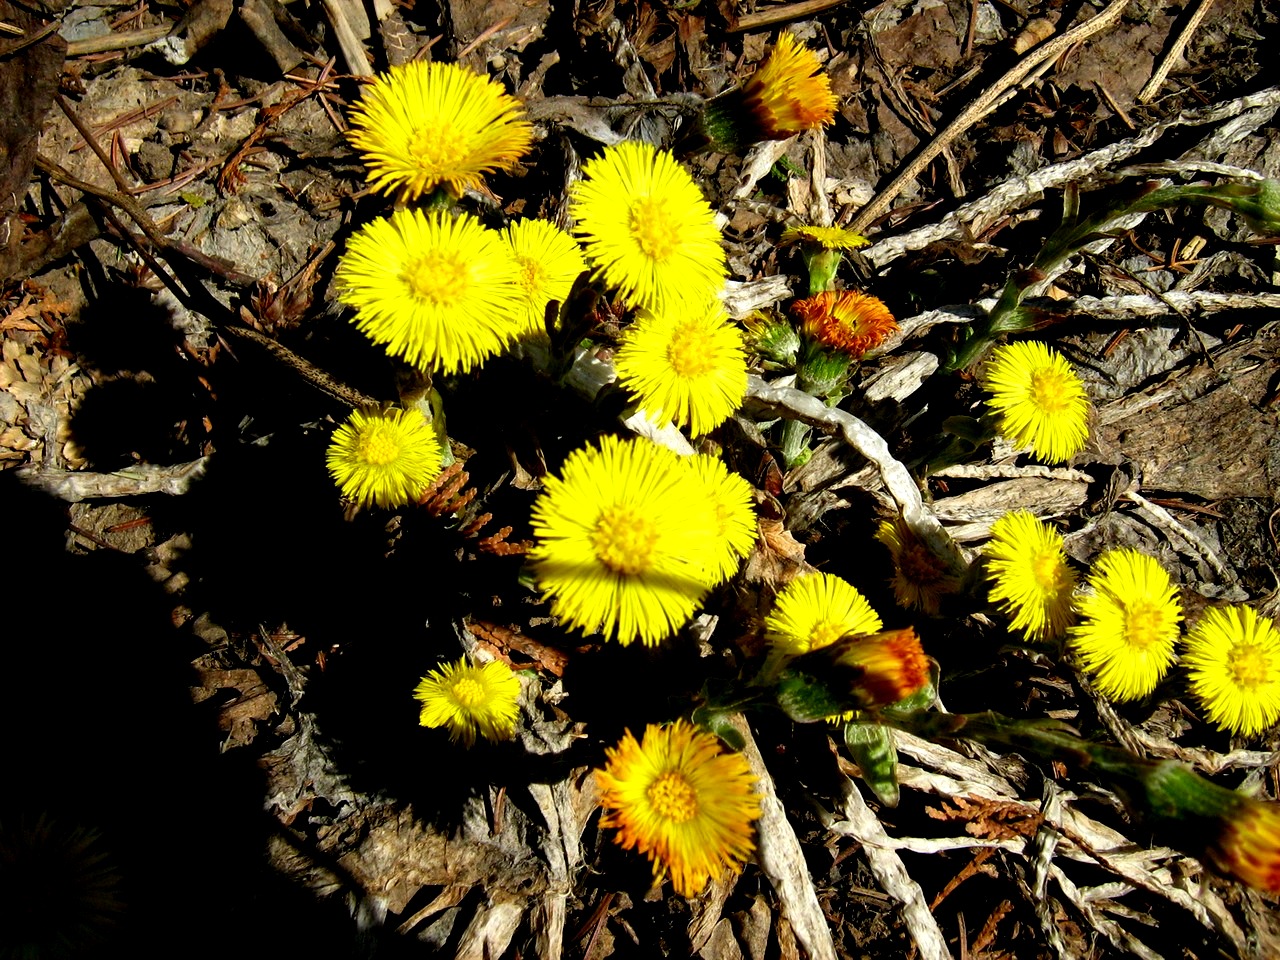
(626, 539)
(424, 125)
(789, 93)
(848, 321)
(732, 500)
(1030, 577)
(686, 364)
(1128, 624)
(1233, 658)
(648, 231)
(550, 261)
(1040, 400)
(442, 292)
(828, 238)
(920, 577)
(814, 611)
(469, 699)
(682, 801)
(386, 459)
(1249, 844)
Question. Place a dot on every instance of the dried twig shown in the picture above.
(1174, 53)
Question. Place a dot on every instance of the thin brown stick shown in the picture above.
(1047, 51)
(1174, 53)
(781, 14)
(118, 41)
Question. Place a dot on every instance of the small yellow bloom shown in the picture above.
(1128, 624)
(920, 577)
(1030, 577)
(815, 610)
(1233, 658)
(682, 801)
(424, 125)
(686, 364)
(469, 699)
(732, 500)
(1249, 845)
(550, 261)
(847, 321)
(1040, 400)
(647, 229)
(442, 292)
(386, 459)
(828, 238)
(626, 540)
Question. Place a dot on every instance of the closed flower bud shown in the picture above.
(854, 673)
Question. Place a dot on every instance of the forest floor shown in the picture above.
(212, 743)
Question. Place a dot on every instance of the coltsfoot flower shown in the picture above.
(386, 459)
(1030, 578)
(848, 321)
(1040, 400)
(735, 516)
(788, 94)
(687, 364)
(428, 125)
(470, 699)
(1128, 624)
(626, 540)
(648, 231)
(920, 577)
(442, 292)
(1233, 658)
(854, 673)
(550, 261)
(815, 610)
(681, 800)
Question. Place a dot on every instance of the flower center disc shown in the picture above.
(1048, 571)
(1048, 391)
(438, 277)
(436, 149)
(654, 227)
(673, 798)
(532, 277)
(1142, 623)
(1248, 666)
(825, 633)
(689, 352)
(623, 540)
(918, 565)
(468, 693)
(377, 449)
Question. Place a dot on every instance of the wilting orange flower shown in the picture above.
(854, 673)
(1249, 845)
(848, 321)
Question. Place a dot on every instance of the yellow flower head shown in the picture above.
(626, 540)
(814, 611)
(386, 459)
(442, 292)
(847, 321)
(686, 364)
(828, 238)
(732, 500)
(790, 93)
(1233, 658)
(682, 801)
(1040, 400)
(1128, 624)
(1249, 845)
(550, 261)
(1030, 577)
(425, 125)
(648, 231)
(467, 699)
(920, 577)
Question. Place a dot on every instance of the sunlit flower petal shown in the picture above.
(469, 699)
(386, 459)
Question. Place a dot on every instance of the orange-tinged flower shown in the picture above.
(1249, 845)
(788, 94)
(854, 673)
(678, 798)
(848, 321)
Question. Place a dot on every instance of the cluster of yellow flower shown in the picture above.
(1124, 628)
(1039, 400)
